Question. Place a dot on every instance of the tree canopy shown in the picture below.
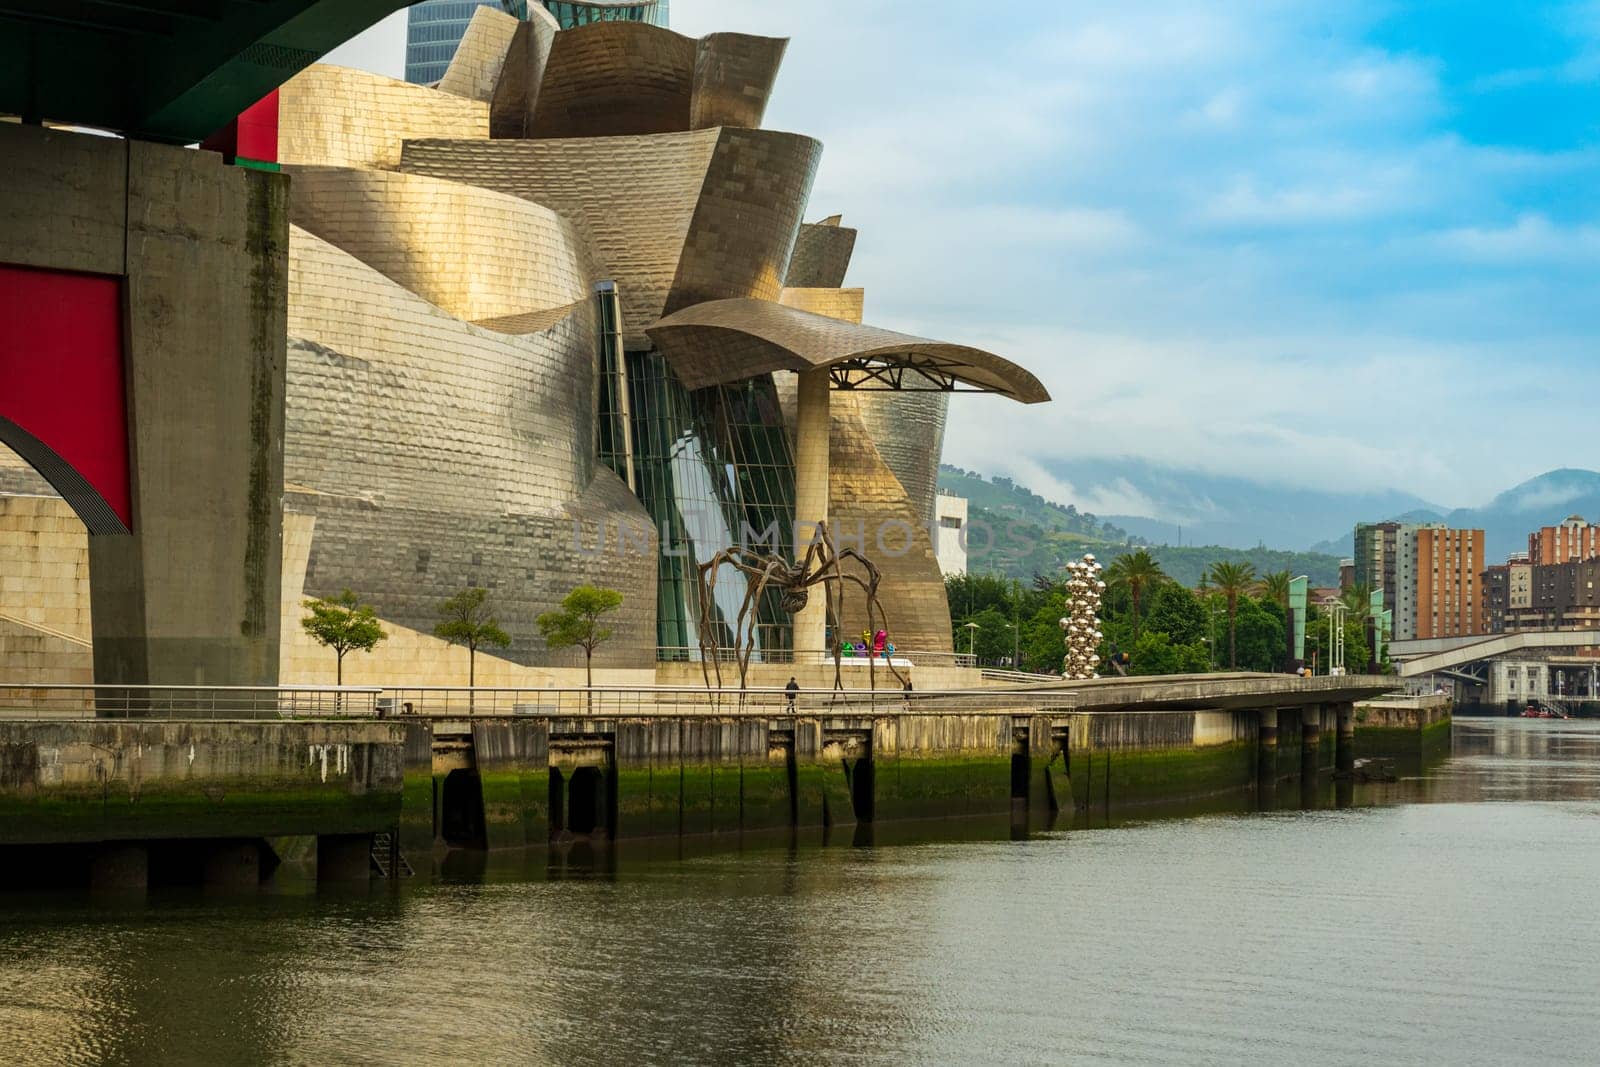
(578, 623)
(344, 625)
(464, 619)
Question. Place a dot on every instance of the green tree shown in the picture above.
(1232, 580)
(1178, 613)
(1358, 598)
(579, 623)
(991, 641)
(1156, 653)
(464, 620)
(1138, 573)
(344, 625)
(1275, 587)
(1261, 635)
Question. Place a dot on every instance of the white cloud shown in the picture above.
(1233, 236)
(1533, 238)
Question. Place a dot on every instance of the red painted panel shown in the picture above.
(61, 372)
(253, 135)
(258, 130)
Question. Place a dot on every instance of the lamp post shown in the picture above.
(1015, 639)
(972, 640)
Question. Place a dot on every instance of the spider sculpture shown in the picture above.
(823, 564)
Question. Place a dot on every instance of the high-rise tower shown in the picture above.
(434, 27)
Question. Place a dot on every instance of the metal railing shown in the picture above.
(459, 703)
(188, 702)
(789, 656)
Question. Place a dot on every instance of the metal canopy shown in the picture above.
(163, 70)
(737, 338)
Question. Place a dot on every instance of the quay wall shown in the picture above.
(102, 780)
(1403, 726)
(509, 782)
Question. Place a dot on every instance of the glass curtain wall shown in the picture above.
(715, 469)
(572, 13)
(434, 29)
(615, 443)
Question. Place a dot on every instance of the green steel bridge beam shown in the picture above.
(163, 70)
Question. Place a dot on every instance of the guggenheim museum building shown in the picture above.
(563, 316)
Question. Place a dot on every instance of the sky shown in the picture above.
(1341, 244)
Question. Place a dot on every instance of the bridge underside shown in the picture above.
(163, 70)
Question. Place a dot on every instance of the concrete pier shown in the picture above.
(1345, 748)
(1267, 756)
(344, 857)
(833, 767)
(1310, 740)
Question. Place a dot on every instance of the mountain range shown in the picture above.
(1171, 505)
(1507, 520)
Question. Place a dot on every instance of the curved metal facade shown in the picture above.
(542, 294)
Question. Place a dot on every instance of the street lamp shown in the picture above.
(972, 640)
(1015, 646)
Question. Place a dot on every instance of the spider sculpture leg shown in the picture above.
(710, 648)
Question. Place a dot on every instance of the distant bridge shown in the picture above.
(1446, 654)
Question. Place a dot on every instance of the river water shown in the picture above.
(1448, 918)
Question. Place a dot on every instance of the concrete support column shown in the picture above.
(1267, 743)
(120, 866)
(1310, 740)
(187, 505)
(1267, 756)
(344, 857)
(812, 427)
(1344, 753)
(232, 865)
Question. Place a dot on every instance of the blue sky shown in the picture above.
(1345, 244)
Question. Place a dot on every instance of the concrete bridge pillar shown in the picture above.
(1267, 756)
(120, 867)
(234, 865)
(1310, 741)
(1344, 753)
(344, 857)
(143, 325)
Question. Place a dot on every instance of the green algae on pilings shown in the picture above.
(1146, 776)
(244, 807)
(702, 798)
(417, 799)
(266, 243)
(920, 787)
(516, 807)
(647, 800)
(822, 793)
(764, 794)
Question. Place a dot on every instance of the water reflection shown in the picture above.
(1386, 922)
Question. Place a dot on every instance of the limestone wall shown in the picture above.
(44, 566)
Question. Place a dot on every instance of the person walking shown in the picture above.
(791, 689)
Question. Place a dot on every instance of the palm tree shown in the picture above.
(1232, 580)
(1137, 572)
(1358, 598)
(1275, 587)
